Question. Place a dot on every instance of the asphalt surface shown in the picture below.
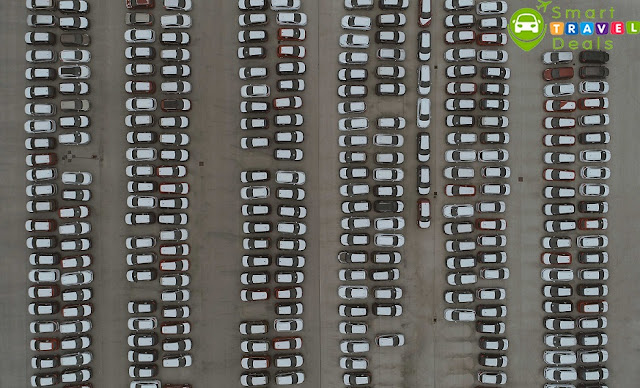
(437, 353)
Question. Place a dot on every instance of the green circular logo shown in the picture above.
(527, 28)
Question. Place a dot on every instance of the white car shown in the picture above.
(178, 87)
(290, 177)
(557, 274)
(560, 374)
(589, 172)
(559, 357)
(594, 241)
(559, 157)
(457, 211)
(594, 87)
(491, 377)
(460, 55)
(40, 56)
(251, 52)
(291, 19)
(354, 41)
(255, 91)
(384, 140)
(140, 36)
(491, 8)
(351, 107)
(553, 242)
(594, 189)
(177, 20)
(459, 315)
(460, 155)
(557, 57)
(595, 155)
(75, 56)
(77, 278)
(177, 361)
(558, 90)
(355, 22)
(494, 56)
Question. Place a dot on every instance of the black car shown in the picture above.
(494, 72)
(494, 138)
(75, 39)
(388, 206)
(592, 207)
(593, 72)
(589, 56)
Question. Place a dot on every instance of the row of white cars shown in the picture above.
(373, 207)
(171, 331)
(61, 262)
(266, 193)
(575, 313)
(465, 29)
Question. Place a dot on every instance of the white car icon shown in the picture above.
(527, 22)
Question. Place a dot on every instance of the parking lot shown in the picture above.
(436, 353)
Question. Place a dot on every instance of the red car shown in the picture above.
(137, 4)
(593, 223)
(593, 306)
(491, 223)
(176, 105)
(556, 258)
(36, 160)
(593, 103)
(287, 51)
(492, 39)
(559, 106)
(40, 225)
(557, 73)
(424, 15)
(36, 292)
(296, 34)
(45, 344)
(286, 343)
(293, 102)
